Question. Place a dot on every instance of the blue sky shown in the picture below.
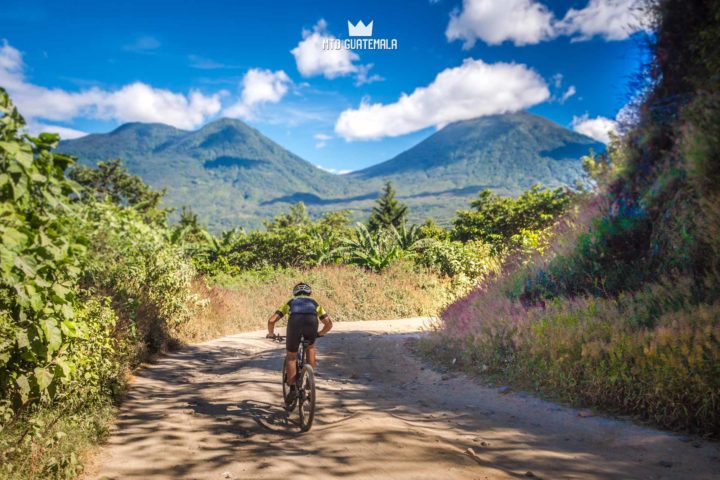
(84, 66)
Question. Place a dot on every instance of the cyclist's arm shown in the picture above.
(284, 310)
(327, 325)
(271, 323)
(325, 319)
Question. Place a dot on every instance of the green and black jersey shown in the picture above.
(302, 305)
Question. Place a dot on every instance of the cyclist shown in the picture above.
(303, 322)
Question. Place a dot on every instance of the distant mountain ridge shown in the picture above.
(507, 153)
(231, 174)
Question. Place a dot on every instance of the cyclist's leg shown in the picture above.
(292, 343)
(311, 355)
(310, 329)
(291, 367)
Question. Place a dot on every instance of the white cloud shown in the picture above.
(522, 22)
(598, 128)
(259, 86)
(471, 90)
(609, 19)
(363, 76)
(64, 132)
(134, 102)
(568, 93)
(334, 170)
(202, 63)
(526, 22)
(322, 140)
(312, 60)
(143, 44)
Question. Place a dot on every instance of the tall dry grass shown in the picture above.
(348, 293)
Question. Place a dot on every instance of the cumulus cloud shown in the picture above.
(598, 128)
(526, 22)
(522, 22)
(471, 90)
(259, 86)
(609, 19)
(312, 60)
(134, 102)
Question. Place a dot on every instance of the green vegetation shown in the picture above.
(503, 222)
(233, 176)
(94, 282)
(87, 288)
(388, 212)
(245, 300)
(607, 297)
(623, 310)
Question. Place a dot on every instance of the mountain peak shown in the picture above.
(507, 152)
(142, 126)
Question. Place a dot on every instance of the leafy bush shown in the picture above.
(373, 250)
(111, 181)
(471, 260)
(86, 288)
(290, 240)
(497, 220)
(147, 278)
(38, 263)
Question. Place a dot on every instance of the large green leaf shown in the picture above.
(53, 336)
(24, 385)
(43, 377)
(13, 238)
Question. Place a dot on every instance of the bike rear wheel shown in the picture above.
(306, 401)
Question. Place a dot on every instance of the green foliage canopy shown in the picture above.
(495, 220)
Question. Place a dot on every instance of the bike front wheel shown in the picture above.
(307, 398)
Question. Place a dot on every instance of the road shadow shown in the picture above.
(374, 398)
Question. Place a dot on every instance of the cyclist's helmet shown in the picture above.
(302, 289)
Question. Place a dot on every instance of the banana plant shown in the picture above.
(374, 251)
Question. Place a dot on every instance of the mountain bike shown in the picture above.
(304, 383)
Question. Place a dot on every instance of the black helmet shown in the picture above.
(302, 289)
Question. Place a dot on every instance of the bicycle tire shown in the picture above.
(306, 404)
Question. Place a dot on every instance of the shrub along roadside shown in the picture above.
(632, 354)
(87, 288)
(628, 318)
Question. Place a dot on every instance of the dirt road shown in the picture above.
(213, 411)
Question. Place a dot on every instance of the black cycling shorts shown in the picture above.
(300, 325)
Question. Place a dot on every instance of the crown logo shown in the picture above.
(360, 30)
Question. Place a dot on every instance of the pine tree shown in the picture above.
(388, 211)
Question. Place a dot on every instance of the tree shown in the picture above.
(189, 230)
(297, 217)
(112, 181)
(495, 220)
(388, 212)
